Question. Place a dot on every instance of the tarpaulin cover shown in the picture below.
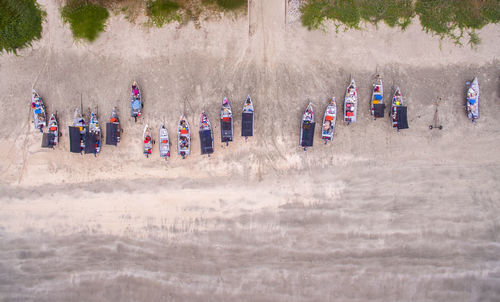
(136, 105)
(247, 124)
(402, 118)
(48, 140)
(74, 139)
(90, 143)
(226, 132)
(206, 142)
(379, 110)
(378, 97)
(307, 135)
(111, 134)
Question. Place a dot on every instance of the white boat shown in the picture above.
(135, 101)
(94, 135)
(147, 141)
(307, 125)
(329, 119)
(164, 142)
(377, 101)
(77, 133)
(473, 100)
(226, 122)
(247, 118)
(39, 115)
(206, 135)
(183, 137)
(351, 103)
(51, 138)
(398, 111)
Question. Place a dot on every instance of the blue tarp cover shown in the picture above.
(378, 97)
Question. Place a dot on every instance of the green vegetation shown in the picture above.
(20, 24)
(349, 13)
(163, 11)
(451, 18)
(231, 4)
(86, 20)
(445, 18)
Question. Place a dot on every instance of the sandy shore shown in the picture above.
(377, 215)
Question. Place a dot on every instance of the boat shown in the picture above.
(351, 103)
(135, 101)
(473, 100)
(307, 127)
(183, 138)
(329, 120)
(247, 118)
(206, 135)
(39, 114)
(51, 138)
(113, 130)
(147, 141)
(77, 133)
(94, 135)
(164, 142)
(377, 100)
(226, 122)
(398, 111)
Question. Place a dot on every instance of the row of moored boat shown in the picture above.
(86, 137)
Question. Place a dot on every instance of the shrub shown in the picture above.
(227, 4)
(20, 24)
(86, 20)
(163, 11)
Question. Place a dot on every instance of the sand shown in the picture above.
(376, 215)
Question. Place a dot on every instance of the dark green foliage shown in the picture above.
(351, 12)
(163, 11)
(227, 4)
(443, 17)
(86, 20)
(450, 18)
(392, 12)
(20, 24)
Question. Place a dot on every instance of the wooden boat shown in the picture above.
(329, 119)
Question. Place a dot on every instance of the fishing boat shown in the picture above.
(39, 115)
(135, 101)
(307, 125)
(398, 111)
(113, 130)
(77, 133)
(147, 141)
(206, 135)
(93, 141)
(473, 100)
(183, 138)
(51, 138)
(377, 100)
(164, 142)
(351, 103)
(329, 120)
(247, 118)
(226, 122)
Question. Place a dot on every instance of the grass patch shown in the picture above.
(162, 12)
(20, 24)
(446, 18)
(349, 13)
(86, 20)
(451, 18)
(227, 4)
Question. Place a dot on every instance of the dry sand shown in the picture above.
(377, 215)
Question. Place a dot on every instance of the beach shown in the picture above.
(375, 215)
